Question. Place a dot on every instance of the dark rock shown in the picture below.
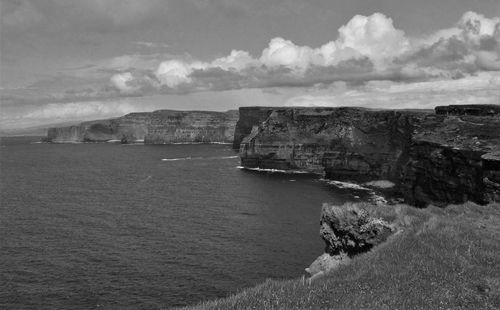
(347, 230)
(432, 158)
(249, 117)
(345, 143)
(450, 159)
(469, 109)
(351, 229)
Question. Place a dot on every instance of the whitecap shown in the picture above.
(347, 185)
(273, 170)
(176, 159)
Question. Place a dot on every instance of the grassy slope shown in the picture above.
(441, 259)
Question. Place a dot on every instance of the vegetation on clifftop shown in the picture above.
(441, 259)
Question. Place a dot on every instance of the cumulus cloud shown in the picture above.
(122, 80)
(366, 48)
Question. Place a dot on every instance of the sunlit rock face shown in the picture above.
(448, 156)
(191, 126)
(158, 127)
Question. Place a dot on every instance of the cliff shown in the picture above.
(158, 127)
(249, 117)
(450, 156)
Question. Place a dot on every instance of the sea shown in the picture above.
(133, 226)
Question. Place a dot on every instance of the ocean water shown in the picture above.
(110, 226)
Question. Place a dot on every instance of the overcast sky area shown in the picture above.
(71, 60)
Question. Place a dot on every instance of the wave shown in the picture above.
(177, 159)
(347, 185)
(372, 195)
(274, 170)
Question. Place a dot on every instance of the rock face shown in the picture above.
(448, 156)
(469, 109)
(351, 230)
(351, 143)
(250, 117)
(454, 158)
(347, 230)
(158, 127)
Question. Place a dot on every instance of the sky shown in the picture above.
(75, 60)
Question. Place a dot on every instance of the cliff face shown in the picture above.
(454, 158)
(448, 157)
(249, 117)
(158, 127)
(342, 142)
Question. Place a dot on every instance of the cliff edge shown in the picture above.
(449, 155)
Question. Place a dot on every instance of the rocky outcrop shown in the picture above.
(347, 230)
(350, 229)
(447, 156)
(158, 127)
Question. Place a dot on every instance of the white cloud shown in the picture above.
(476, 25)
(237, 60)
(121, 81)
(481, 89)
(281, 52)
(373, 36)
(175, 72)
(367, 47)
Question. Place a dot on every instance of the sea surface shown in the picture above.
(111, 226)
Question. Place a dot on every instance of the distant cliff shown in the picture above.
(446, 157)
(158, 127)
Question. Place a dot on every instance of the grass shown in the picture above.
(440, 259)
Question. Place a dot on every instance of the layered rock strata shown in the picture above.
(249, 118)
(158, 127)
(448, 156)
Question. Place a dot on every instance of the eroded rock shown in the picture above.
(347, 230)
(351, 229)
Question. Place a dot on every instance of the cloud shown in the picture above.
(373, 36)
(122, 82)
(483, 88)
(367, 48)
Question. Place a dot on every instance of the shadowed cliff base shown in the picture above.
(440, 259)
